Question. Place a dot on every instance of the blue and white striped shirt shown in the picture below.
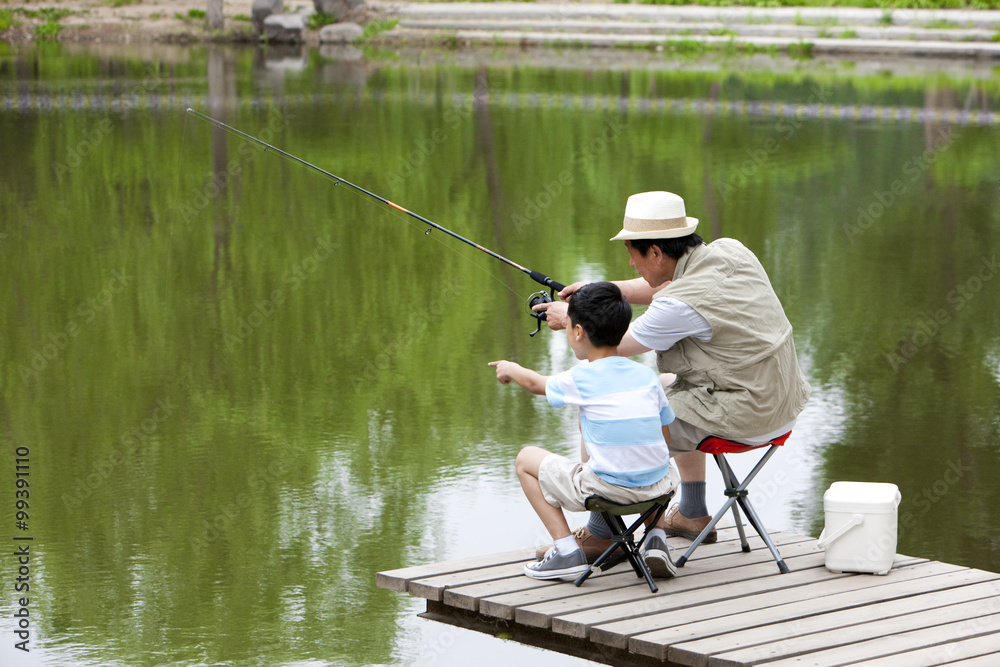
(622, 411)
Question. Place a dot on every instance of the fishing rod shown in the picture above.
(536, 298)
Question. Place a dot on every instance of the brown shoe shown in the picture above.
(592, 546)
(675, 524)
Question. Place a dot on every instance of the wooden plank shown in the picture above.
(468, 596)
(985, 660)
(701, 575)
(814, 583)
(693, 643)
(927, 620)
(864, 651)
(433, 588)
(397, 580)
(977, 651)
(631, 612)
(505, 605)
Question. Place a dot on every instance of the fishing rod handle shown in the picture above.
(545, 280)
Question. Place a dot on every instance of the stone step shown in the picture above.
(810, 16)
(817, 46)
(698, 29)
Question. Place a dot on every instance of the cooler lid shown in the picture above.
(861, 496)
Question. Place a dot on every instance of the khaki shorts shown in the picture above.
(568, 484)
(685, 437)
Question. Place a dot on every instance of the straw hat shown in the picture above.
(655, 215)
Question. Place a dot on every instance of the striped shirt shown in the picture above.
(622, 411)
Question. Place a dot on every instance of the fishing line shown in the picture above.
(538, 277)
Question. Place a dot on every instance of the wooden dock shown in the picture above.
(726, 608)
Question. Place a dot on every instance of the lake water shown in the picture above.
(237, 391)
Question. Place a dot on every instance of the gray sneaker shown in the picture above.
(554, 566)
(656, 553)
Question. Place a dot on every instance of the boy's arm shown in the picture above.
(508, 371)
(666, 434)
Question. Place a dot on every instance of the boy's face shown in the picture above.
(575, 335)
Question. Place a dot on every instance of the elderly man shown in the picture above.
(716, 324)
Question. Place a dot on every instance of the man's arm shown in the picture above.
(508, 371)
(636, 291)
(629, 347)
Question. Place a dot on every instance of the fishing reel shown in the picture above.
(533, 300)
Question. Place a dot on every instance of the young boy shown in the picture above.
(623, 422)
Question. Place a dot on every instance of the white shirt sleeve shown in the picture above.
(667, 321)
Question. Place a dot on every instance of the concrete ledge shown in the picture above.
(815, 46)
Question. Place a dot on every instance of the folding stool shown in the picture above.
(737, 493)
(623, 536)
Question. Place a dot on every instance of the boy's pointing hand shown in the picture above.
(504, 369)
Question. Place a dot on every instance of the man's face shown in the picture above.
(653, 267)
(639, 262)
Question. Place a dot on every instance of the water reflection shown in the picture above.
(249, 394)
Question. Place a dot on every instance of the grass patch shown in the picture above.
(49, 30)
(317, 20)
(941, 24)
(7, 19)
(192, 15)
(378, 26)
(122, 3)
(243, 17)
(996, 37)
(848, 34)
(722, 32)
(802, 50)
(47, 14)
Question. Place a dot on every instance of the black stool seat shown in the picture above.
(623, 537)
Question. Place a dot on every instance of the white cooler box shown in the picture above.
(860, 532)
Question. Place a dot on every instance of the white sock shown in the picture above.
(566, 545)
(657, 532)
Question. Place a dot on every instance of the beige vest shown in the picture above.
(746, 380)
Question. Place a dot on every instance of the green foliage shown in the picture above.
(317, 20)
(46, 31)
(7, 19)
(123, 3)
(373, 28)
(941, 24)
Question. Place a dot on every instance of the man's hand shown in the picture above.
(555, 314)
(567, 291)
